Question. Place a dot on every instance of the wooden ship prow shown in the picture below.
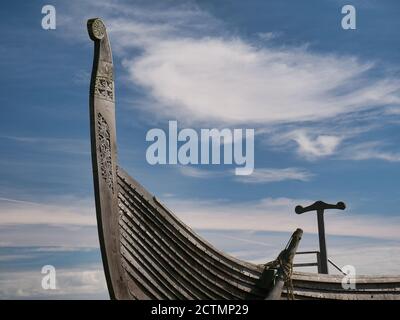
(149, 253)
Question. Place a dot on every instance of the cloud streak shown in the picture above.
(320, 146)
(71, 284)
(370, 150)
(189, 64)
(259, 175)
(277, 214)
(16, 212)
(267, 175)
(62, 145)
(67, 222)
(231, 80)
(189, 67)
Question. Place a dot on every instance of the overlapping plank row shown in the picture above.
(185, 248)
(131, 193)
(318, 286)
(163, 244)
(179, 257)
(177, 261)
(162, 256)
(136, 190)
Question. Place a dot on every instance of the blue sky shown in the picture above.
(324, 103)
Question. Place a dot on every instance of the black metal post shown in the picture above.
(320, 206)
(319, 262)
(322, 243)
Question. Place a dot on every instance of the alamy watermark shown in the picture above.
(49, 20)
(49, 278)
(187, 146)
(349, 20)
(349, 279)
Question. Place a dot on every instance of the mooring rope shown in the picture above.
(287, 267)
(287, 278)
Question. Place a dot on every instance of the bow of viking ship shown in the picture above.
(149, 253)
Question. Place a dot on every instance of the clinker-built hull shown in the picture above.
(330, 287)
(148, 253)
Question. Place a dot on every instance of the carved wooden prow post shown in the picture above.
(104, 157)
(147, 252)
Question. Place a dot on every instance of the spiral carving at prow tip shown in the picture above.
(96, 29)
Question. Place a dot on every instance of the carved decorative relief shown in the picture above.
(104, 88)
(105, 69)
(98, 29)
(104, 145)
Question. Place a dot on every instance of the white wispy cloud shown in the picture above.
(314, 147)
(341, 139)
(277, 214)
(52, 144)
(363, 253)
(66, 222)
(268, 36)
(393, 110)
(259, 175)
(370, 150)
(71, 226)
(74, 211)
(229, 80)
(266, 175)
(66, 236)
(76, 283)
(365, 256)
(192, 68)
(194, 172)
